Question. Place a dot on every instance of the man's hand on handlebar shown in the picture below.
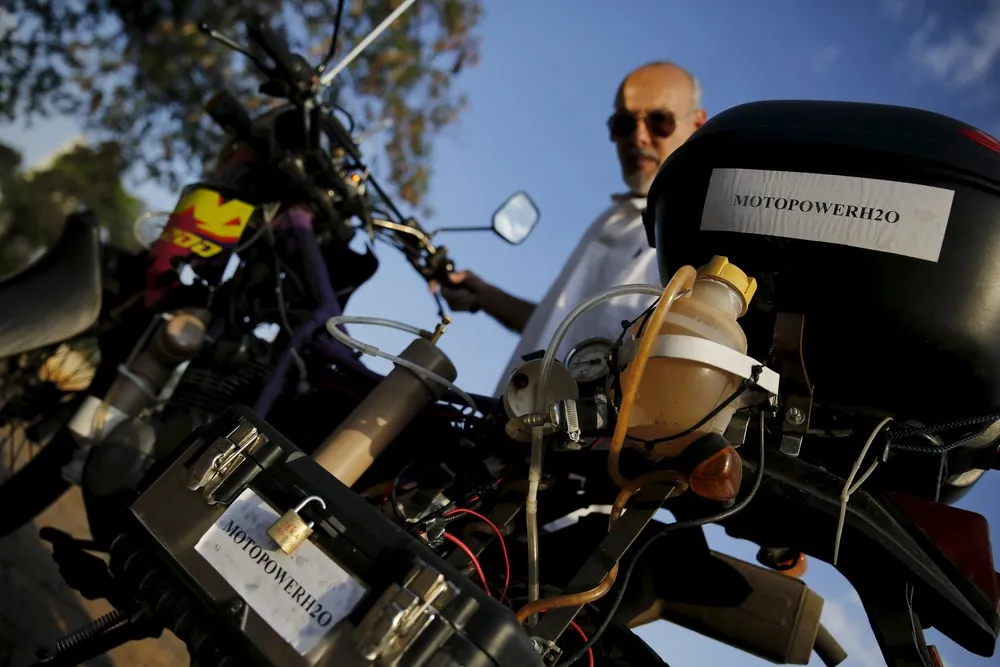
(464, 292)
(467, 292)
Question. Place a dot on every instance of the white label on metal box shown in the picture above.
(302, 596)
(887, 216)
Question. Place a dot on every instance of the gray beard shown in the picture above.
(638, 183)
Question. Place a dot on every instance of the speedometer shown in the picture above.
(588, 361)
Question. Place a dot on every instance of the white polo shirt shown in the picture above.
(612, 252)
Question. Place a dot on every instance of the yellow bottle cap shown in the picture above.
(720, 269)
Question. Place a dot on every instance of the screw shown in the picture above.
(795, 417)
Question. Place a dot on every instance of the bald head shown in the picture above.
(657, 107)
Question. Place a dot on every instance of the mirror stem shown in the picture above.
(462, 229)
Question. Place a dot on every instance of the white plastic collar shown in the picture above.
(702, 350)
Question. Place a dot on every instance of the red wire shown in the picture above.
(503, 544)
(583, 636)
(475, 561)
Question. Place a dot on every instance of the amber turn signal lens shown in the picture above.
(718, 477)
(797, 568)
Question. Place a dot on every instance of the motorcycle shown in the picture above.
(48, 358)
(412, 532)
(175, 344)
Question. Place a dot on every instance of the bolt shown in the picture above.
(795, 417)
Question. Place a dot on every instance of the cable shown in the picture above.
(336, 31)
(548, 360)
(666, 530)
(503, 544)
(537, 433)
(475, 561)
(989, 420)
(679, 285)
(682, 281)
(396, 510)
(850, 486)
(333, 324)
(583, 635)
(739, 391)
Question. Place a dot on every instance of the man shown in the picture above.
(657, 108)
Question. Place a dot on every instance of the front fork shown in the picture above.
(171, 340)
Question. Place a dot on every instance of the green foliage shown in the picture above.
(139, 72)
(34, 204)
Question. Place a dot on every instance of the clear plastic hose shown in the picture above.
(557, 338)
(333, 326)
(531, 510)
(537, 434)
(678, 285)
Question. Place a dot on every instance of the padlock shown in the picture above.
(290, 530)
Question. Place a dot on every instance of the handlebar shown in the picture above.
(290, 76)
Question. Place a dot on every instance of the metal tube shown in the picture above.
(384, 413)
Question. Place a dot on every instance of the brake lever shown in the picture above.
(228, 41)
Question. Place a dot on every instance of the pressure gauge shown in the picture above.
(588, 361)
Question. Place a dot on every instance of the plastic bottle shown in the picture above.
(675, 394)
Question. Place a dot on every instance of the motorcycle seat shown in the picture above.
(58, 296)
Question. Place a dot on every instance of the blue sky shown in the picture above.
(539, 100)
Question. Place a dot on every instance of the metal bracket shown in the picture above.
(223, 457)
(641, 510)
(797, 394)
(402, 614)
(736, 432)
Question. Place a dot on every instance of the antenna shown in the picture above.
(331, 74)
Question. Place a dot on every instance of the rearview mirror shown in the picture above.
(515, 219)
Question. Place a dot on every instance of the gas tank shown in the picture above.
(879, 224)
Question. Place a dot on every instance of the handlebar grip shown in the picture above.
(446, 281)
(260, 31)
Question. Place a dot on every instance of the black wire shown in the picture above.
(743, 386)
(336, 32)
(989, 420)
(666, 530)
(346, 114)
(614, 381)
(396, 509)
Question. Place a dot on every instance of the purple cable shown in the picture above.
(298, 220)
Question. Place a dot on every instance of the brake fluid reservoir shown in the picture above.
(675, 394)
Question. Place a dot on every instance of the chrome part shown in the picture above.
(223, 457)
(402, 614)
(795, 416)
(736, 432)
(564, 417)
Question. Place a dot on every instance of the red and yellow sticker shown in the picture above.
(207, 222)
(203, 223)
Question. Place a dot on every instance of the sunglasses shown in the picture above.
(623, 124)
